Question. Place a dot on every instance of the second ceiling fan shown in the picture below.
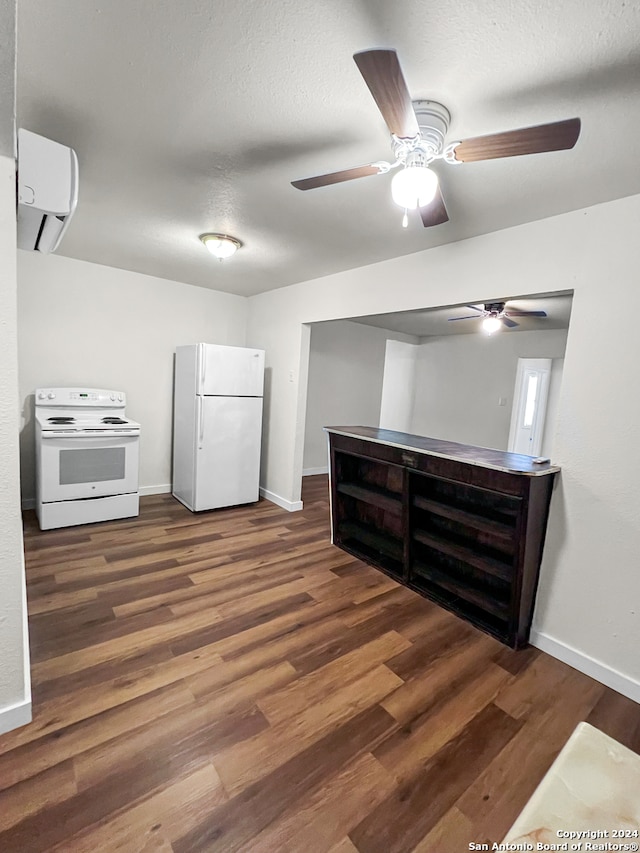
(418, 133)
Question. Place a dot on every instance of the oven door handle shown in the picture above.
(66, 436)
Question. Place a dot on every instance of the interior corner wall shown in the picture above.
(589, 585)
(15, 691)
(84, 324)
(461, 378)
(15, 682)
(346, 366)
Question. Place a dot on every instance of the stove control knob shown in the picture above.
(113, 398)
(119, 398)
(42, 396)
(51, 395)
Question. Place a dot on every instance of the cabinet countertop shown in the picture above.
(498, 460)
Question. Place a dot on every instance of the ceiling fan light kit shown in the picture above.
(495, 315)
(418, 137)
(415, 186)
(491, 324)
(221, 246)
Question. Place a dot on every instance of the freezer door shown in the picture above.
(230, 371)
(228, 451)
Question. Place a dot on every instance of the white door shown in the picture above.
(230, 371)
(529, 406)
(228, 451)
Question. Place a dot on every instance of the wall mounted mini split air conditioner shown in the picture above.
(47, 191)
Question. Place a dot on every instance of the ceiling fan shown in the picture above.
(418, 132)
(494, 315)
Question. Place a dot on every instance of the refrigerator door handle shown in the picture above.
(203, 368)
(200, 423)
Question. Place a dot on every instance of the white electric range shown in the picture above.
(86, 457)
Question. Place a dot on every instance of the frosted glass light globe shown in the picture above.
(220, 245)
(491, 324)
(414, 187)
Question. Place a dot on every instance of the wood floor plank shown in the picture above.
(617, 716)
(451, 834)
(246, 691)
(537, 684)
(242, 764)
(362, 785)
(490, 802)
(44, 789)
(313, 688)
(70, 708)
(178, 628)
(200, 596)
(416, 806)
(25, 758)
(230, 681)
(441, 678)
(157, 818)
(233, 824)
(344, 846)
(194, 734)
(426, 735)
(60, 600)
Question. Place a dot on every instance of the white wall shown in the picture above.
(460, 378)
(590, 585)
(346, 365)
(86, 324)
(15, 689)
(398, 386)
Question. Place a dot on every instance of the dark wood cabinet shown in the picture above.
(462, 525)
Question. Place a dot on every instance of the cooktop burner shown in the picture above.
(113, 421)
(61, 420)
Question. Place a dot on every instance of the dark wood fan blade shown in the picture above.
(516, 313)
(475, 308)
(466, 317)
(508, 322)
(434, 213)
(557, 136)
(383, 75)
(335, 177)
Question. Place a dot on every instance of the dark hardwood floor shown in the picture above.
(230, 681)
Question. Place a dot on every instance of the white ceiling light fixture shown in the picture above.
(414, 186)
(221, 245)
(491, 324)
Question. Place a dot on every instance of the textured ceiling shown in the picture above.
(195, 116)
(435, 321)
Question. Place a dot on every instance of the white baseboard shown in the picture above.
(590, 666)
(311, 472)
(290, 506)
(163, 489)
(15, 716)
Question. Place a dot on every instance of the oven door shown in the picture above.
(87, 466)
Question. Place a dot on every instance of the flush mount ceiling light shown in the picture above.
(221, 245)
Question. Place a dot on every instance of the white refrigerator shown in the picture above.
(217, 425)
